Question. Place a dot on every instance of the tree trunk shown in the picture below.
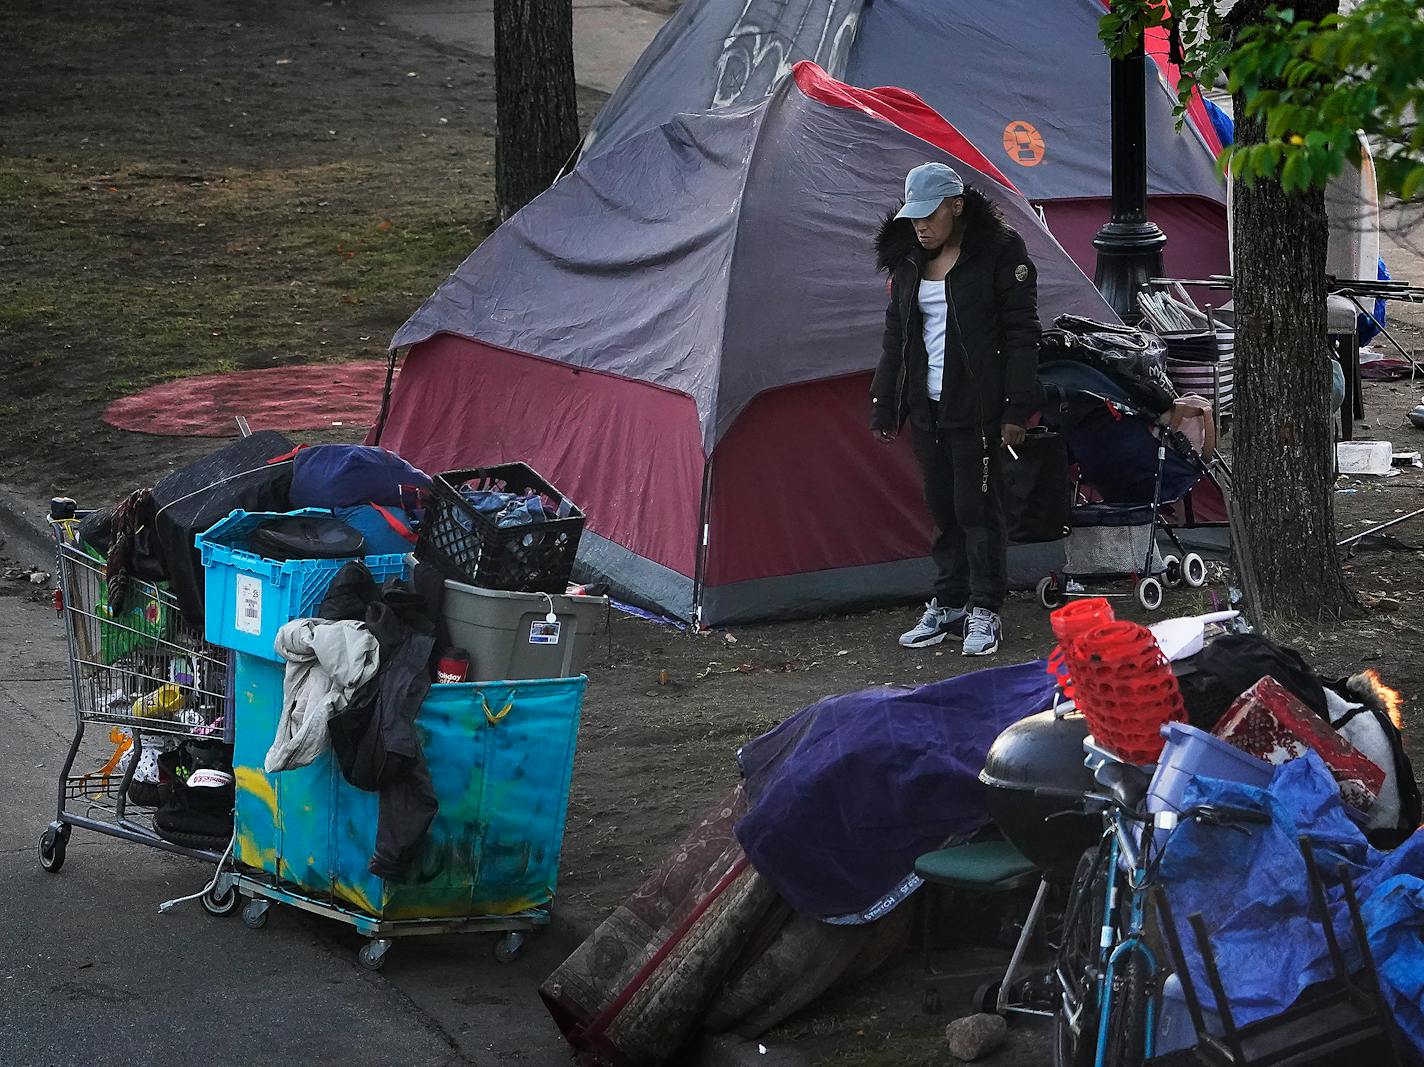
(534, 97)
(1283, 516)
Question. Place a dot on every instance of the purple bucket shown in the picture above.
(1191, 753)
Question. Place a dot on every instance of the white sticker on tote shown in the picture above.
(544, 633)
(249, 605)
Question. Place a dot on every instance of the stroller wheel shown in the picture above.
(1149, 593)
(1172, 571)
(1194, 570)
(1050, 593)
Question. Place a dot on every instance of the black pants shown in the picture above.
(970, 545)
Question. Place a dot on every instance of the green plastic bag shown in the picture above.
(144, 623)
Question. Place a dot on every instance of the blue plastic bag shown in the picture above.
(1250, 886)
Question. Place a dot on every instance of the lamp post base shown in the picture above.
(1129, 253)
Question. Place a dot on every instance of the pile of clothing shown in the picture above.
(355, 679)
(506, 509)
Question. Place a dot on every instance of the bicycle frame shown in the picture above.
(1114, 950)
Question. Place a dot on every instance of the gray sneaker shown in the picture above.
(937, 624)
(982, 633)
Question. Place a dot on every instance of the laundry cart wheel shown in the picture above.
(373, 954)
(1172, 571)
(1049, 592)
(508, 947)
(1194, 570)
(1149, 593)
(221, 902)
(254, 915)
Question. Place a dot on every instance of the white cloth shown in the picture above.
(326, 663)
(935, 314)
(1366, 734)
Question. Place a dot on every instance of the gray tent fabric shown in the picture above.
(1041, 64)
(719, 255)
(986, 65)
(712, 55)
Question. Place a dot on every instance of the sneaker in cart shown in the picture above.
(937, 624)
(197, 791)
(982, 632)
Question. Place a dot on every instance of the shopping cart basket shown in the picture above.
(141, 670)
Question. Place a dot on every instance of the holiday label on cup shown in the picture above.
(544, 633)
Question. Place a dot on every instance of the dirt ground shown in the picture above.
(205, 187)
(194, 187)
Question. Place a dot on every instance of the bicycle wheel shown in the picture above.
(1076, 963)
(1127, 1023)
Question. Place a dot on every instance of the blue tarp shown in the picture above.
(1250, 887)
(846, 794)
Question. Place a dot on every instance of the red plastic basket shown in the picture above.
(1069, 623)
(1125, 688)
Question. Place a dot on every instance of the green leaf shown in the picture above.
(1413, 184)
(1295, 174)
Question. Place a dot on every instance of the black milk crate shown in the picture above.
(467, 546)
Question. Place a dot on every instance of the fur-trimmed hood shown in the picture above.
(896, 240)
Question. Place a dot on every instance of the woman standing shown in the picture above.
(959, 364)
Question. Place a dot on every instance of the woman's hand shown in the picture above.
(1013, 435)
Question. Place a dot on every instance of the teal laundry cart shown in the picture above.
(500, 756)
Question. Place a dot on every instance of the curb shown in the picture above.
(24, 529)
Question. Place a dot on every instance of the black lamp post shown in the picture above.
(1129, 246)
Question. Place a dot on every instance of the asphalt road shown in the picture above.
(92, 973)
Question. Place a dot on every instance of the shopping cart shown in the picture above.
(142, 671)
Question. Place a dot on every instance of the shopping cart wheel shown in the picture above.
(1149, 593)
(508, 947)
(1194, 570)
(373, 954)
(986, 999)
(1050, 593)
(254, 915)
(219, 901)
(52, 844)
(1172, 571)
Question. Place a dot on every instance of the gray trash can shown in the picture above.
(508, 635)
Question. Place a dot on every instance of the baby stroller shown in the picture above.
(1129, 469)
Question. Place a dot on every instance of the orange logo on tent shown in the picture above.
(1023, 143)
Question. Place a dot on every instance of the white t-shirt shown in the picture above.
(935, 314)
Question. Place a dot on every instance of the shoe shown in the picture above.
(982, 633)
(937, 624)
(196, 791)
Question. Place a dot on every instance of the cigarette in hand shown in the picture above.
(1011, 450)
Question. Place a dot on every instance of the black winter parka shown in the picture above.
(993, 329)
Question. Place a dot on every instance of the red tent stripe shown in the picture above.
(900, 108)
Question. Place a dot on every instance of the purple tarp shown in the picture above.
(845, 795)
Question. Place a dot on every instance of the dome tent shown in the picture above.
(680, 334)
(1025, 80)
